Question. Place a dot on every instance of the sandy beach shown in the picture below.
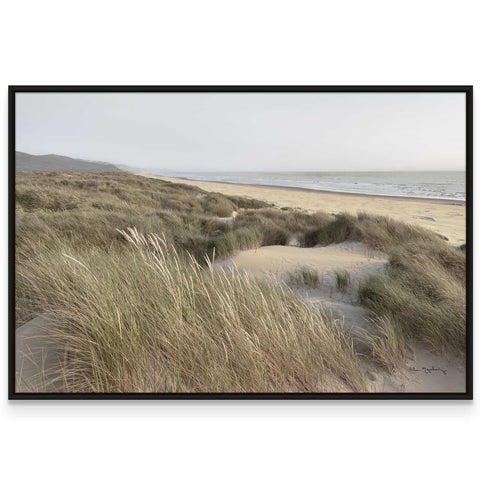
(446, 217)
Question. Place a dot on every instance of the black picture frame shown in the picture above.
(467, 395)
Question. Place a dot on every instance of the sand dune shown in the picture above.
(280, 259)
(37, 359)
(424, 372)
(277, 261)
(446, 217)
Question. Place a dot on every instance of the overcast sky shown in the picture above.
(248, 131)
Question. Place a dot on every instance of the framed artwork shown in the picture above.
(240, 242)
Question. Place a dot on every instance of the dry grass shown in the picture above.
(379, 233)
(387, 344)
(153, 320)
(342, 279)
(303, 276)
(277, 226)
(423, 291)
(87, 209)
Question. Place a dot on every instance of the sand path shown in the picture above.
(446, 217)
(37, 359)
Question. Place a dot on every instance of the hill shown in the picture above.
(24, 162)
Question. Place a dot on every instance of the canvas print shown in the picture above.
(240, 242)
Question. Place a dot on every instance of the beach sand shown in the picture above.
(446, 217)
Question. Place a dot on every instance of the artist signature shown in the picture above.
(428, 370)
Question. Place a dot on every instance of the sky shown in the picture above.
(248, 131)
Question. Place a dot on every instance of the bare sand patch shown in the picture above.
(428, 372)
(37, 360)
(424, 372)
(277, 261)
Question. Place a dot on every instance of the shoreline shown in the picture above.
(441, 201)
(443, 216)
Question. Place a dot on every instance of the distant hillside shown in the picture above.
(128, 168)
(24, 162)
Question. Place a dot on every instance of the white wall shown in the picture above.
(248, 42)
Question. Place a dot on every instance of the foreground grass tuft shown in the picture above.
(155, 320)
(343, 280)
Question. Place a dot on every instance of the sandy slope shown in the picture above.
(277, 261)
(37, 359)
(442, 216)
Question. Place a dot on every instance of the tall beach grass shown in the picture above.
(155, 320)
(423, 293)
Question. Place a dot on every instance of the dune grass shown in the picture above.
(342, 280)
(303, 276)
(386, 342)
(378, 232)
(155, 320)
(88, 209)
(423, 293)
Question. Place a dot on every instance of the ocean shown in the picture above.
(441, 185)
